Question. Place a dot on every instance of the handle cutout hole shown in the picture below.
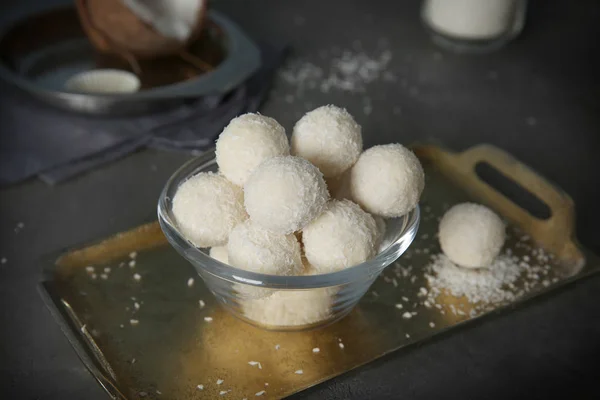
(512, 191)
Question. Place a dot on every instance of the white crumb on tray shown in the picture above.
(200, 387)
(277, 347)
(89, 268)
(137, 277)
(255, 363)
(258, 394)
(407, 315)
(131, 263)
(220, 381)
(104, 276)
(190, 282)
(107, 270)
(208, 319)
(133, 255)
(266, 383)
(407, 336)
(134, 322)
(158, 392)
(143, 394)
(224, 392)
(316, 350)
(299, 372)
(201, 303)
(432, 324)
(136, 305)
(399, 306)
(341, 345)
(93, 276)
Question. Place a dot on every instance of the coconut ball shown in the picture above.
(342, 236)
(207, 207)
(329, 138)
(219, 253)
(471, 235)
(285, 193)
(387, 180)
(253, 248)
(290, 307)
(246, 142)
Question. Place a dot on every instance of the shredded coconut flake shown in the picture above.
(134, 322)
(133, 255)
(260, 393)
(137, 277)
(277, 347)
(89, 268)
(132, 264)
(299, 372)
(220, 381)
(208, 319)
(190, 282)
(399, 306)
(407, 315)
(200, 387)
(316, 350)
(201, 303)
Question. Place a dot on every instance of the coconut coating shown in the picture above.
(207, 207)
(342, 236)
(285, 193)
(256, 249)
(246, 142)
(471, 235)
(387, 180)
(219, 253)
(329, 138)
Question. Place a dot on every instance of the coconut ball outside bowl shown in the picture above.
(346, 287)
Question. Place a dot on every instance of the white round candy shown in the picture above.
(329, 138)
(219, 253)
(246, 142)
(342, 236)
(256, 249)
(471, 235)
(285, 193)
(387, 180)
(207, 207)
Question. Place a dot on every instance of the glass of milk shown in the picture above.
(473, 25)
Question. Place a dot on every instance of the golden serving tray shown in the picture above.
(165, 348)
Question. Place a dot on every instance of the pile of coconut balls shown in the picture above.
(315, 207)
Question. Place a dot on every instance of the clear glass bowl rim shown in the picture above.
(200, 259)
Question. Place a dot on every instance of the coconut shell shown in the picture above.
(113, 28)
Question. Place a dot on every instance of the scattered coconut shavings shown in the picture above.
(224, 392)
(136, 305)
(137, 277)
(432, 324)
(133, 255)
(201, 303)
(220, 381)
(158, 392)
(208, 319)
(200, 387)
(480, 285)
(299, 372)
(143, 394)
(104, 276)
(258, 394)
(93, 276)
(133, 361)
(277, 347)
(89, 268)
(107, 270)
(190, 282)
(316, 350)
(266, 383)
(407, 336)
(399, 306)
(134, 322)
(407, 315)
(394, 282)
(341, 345)
(132, 264)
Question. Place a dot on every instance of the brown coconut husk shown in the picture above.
(113, 28)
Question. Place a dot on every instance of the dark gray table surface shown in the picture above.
(537, 98)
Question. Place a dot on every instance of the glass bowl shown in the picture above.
(282, 302)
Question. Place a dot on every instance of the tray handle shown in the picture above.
(555, 233)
